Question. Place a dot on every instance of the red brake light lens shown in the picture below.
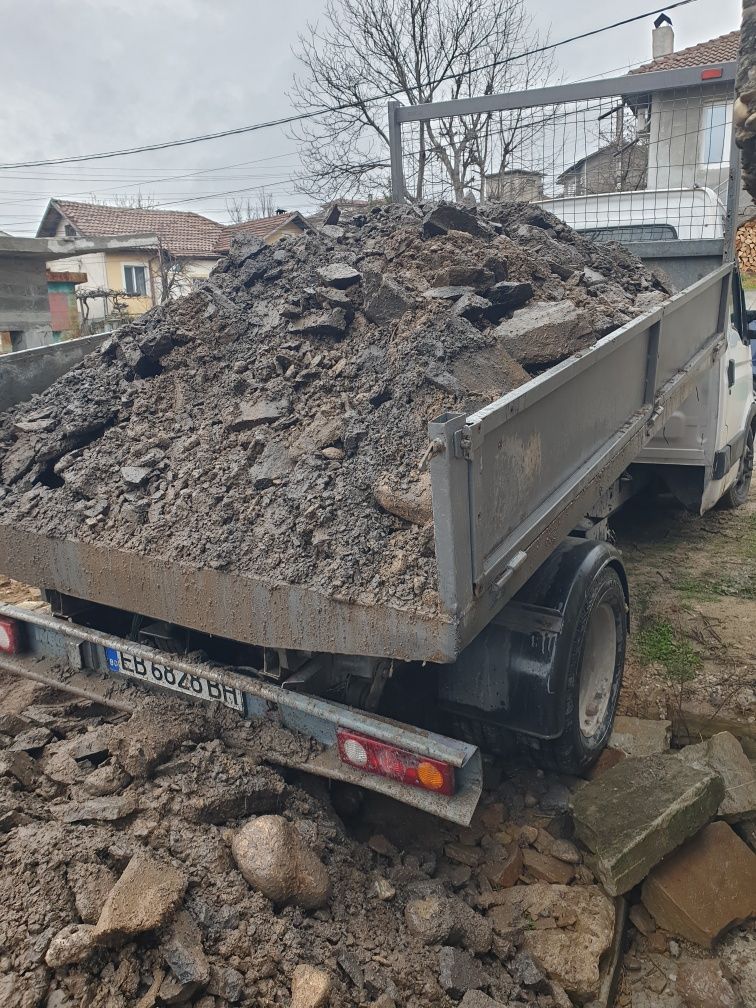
(10, 636)
(385, 760)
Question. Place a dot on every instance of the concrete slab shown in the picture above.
(639, 811)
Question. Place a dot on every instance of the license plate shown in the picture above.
(157, 674)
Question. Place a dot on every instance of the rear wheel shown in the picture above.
(737, 495)
(594, 676)
(588, 658)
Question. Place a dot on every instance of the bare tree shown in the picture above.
(171, 272)
(128, 201)
(366, 48)
(246, 208)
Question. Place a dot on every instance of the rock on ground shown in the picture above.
(73, 944)
(144, 897)
(640, 737)
(310, 987)
(701, 984)
(273, 858)
(581, 920)
(705, 887)
(722, 754)
(634, 814)
(582, 927)
(448, 922)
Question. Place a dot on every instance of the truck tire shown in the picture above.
(737, 495)
(594, 676)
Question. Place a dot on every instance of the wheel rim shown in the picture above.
(746, 469)
(597, 669)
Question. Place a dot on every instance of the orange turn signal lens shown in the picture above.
(430, 777)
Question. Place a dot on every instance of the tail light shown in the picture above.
(10, 636)
(375, 757)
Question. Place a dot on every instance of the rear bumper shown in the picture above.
(50, 643)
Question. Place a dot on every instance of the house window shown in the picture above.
(715, 133)
(70, 231)
(135, 280)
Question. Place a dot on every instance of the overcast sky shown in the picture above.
(104, 74)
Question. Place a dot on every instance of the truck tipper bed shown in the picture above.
(529, 639)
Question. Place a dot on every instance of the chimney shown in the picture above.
(662, 37)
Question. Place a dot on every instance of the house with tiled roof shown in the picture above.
(689, 129)
(180, 247)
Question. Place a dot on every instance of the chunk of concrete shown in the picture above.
(339, 275)
(459, 972)
(639, 811)
(506, 297)
(310, 987)
(546, 868)
(73, 944)
(693, 720)
(272, 857)
(106, 809)
(182, 950)
(22, 767)
(723, 755)
(449, 217)
(504, 872)
(416, 509)
(705, 887)
(144, 897)
(448, 921)
(702, 984)
(446, 293)
(570, 951)
(326, 323)
(545, 332)
(388, 303)
(639, 736)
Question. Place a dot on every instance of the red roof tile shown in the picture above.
(723, 49)
(182, 233)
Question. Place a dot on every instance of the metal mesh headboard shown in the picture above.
(645, 157)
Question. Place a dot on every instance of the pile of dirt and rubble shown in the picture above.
(273, 421)
(159, 859)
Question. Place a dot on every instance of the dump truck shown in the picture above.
(528, 642)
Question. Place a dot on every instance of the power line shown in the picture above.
(286, 120)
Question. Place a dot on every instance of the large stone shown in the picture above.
(416, 509)
(723, 755)
(449, 922)
(74, 944)
(310, 987)
(339, 275)
(569, 951)
(701, 984)
(640, 737)
(107, 809)
(506, 297)
(545, 332)
(326, 323)
(144, 897)
(449, 217)
(459, 972)
(639, 811)
(387, 303)
(182, 950)
(22, 767)
(705, 887)
(272, 857)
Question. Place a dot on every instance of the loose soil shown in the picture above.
(273, 422)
